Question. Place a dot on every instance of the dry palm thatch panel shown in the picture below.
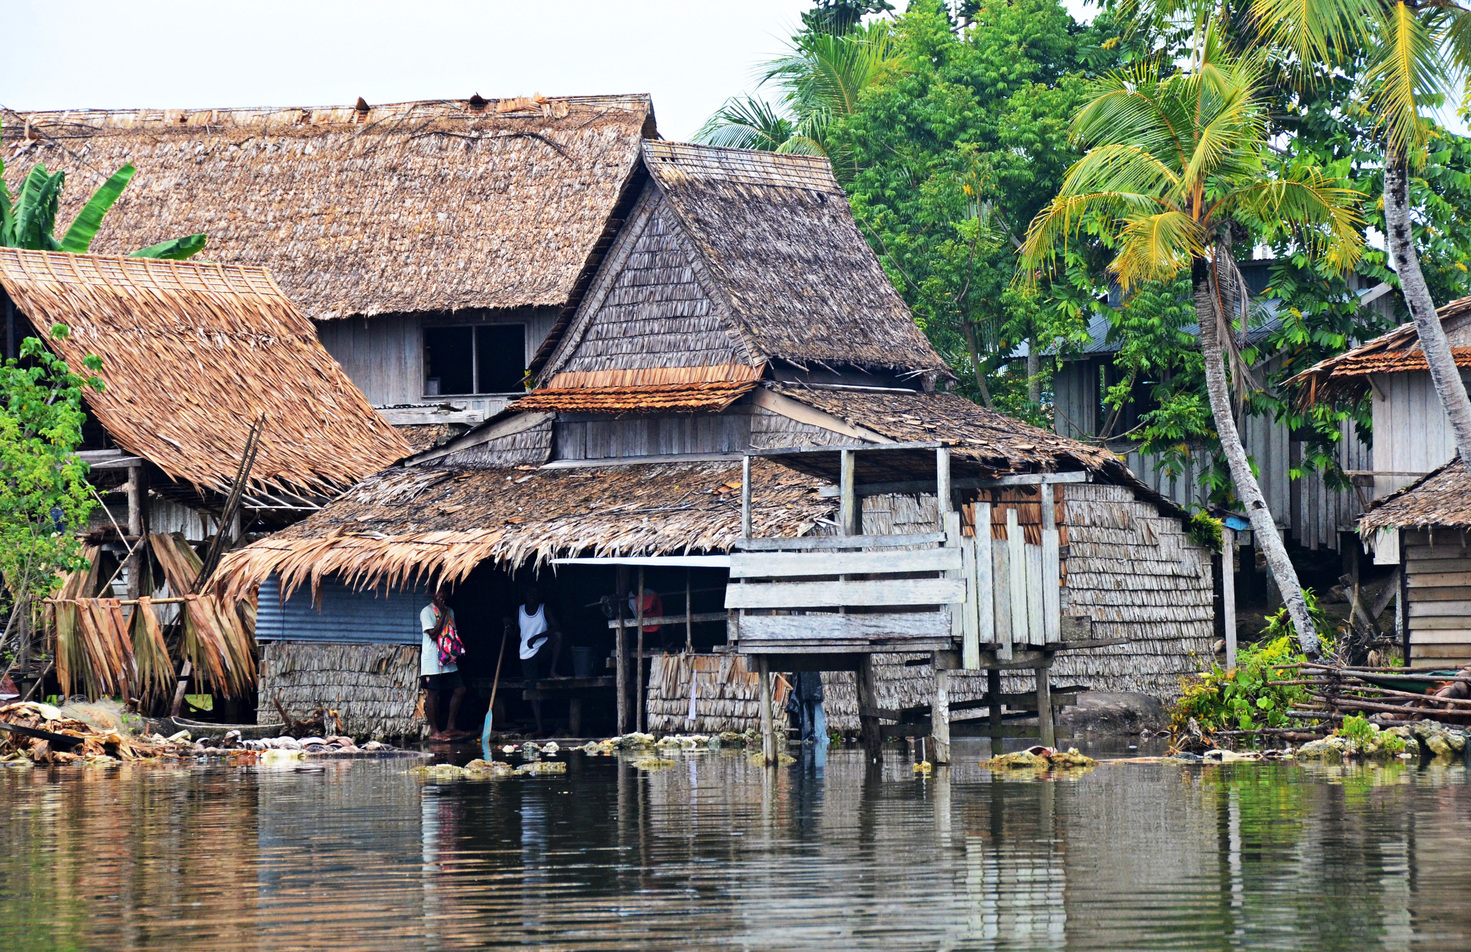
(1399, 351)
(1441, 498)
(405, 525)
(193, 354)
(726, 694)
(651, 398)
(373, 688)
(418, 206)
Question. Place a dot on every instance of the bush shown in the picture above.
(1245, 697)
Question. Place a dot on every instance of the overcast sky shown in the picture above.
(689, 54)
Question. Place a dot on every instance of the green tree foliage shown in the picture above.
(44, 496)
(28, 220)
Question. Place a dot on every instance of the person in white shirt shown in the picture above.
(538, 628)
(437, 679)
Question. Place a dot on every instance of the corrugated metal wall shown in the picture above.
(346, 615)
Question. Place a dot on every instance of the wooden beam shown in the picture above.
(519, 423)
(696, 618)
(851, 627)
(795, 564)
(963, 482)
(848, 513)
(745, 497)
(810, 543)
(871, 593)
(800, 412)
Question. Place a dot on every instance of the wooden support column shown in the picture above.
(1228, 591)
(868, 706)
(768, 723)
(942, 483)
(574, 716)
(641, 716)
(689, 618)
(849, 515)
(1044, 708)
(620, 651)
(745, 497)
(940, 714)
(993, 695)
(137, 528)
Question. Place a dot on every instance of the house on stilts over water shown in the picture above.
(200, 362)
(435, 245)
(742, 423)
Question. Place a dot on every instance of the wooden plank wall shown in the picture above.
(593, 436)
(1438, 578)
(384, 355)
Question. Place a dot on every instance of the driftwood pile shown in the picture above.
(43, 734)
(1385, 694)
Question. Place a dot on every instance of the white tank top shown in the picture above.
(531, 626)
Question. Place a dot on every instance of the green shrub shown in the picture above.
(1245, 697)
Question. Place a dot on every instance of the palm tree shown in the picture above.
(1175, 163)
(820, 80)
(1415, 54)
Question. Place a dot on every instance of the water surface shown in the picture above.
(717, 854)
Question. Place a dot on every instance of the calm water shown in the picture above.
(714, 854)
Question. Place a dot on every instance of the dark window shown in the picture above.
(486, 358)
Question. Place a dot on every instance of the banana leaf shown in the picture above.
(175, 249)
(78, 238)
(35, 211)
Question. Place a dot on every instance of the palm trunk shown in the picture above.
(972, 344)
(1034, 372)
(1443, 371)
(1263, 528)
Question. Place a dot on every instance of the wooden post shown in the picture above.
(848, 513)
(689, 623)
(768, 723)
(985, 589)
(1402, 601)
(942, 482)
(638, 696)
(1044, 708)
(574, 716)
(1228, 592)
(940, 714)
(621, 651)
(993, 696)
(745, 497)
(868, 705)
(137, 528)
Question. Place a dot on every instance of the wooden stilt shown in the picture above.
(638, 661)
(868, 705)
(1228, 591)
(768, 723)
(620, 650)
(940, 717)
(574, 717)
(1044, 708)
(993, 693)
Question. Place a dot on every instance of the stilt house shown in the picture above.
(739, 374)
(1429, 521)
(195, 356)
(435, 245)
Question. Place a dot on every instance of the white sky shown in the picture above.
(689, 54)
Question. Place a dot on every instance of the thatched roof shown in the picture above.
(649, 398)
(419, 206)
(747, 257)
(1398, 351)
(192, 355)
(405, 524)
(1440, 498)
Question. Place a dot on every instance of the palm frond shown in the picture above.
(1405, 71)
(1156, 247)
(746, 123)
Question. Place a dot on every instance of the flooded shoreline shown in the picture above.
(716, 853)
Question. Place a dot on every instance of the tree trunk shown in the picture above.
(1401, 237)
(1034, 372)
(1263, 528)
(973, 345)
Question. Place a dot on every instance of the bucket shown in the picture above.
(583, 660)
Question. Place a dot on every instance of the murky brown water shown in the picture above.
(715, 854)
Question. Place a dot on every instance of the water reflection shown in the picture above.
(717, 853)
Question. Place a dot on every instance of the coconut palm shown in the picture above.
(1174, 163)
(1415, 55)
(819, 80)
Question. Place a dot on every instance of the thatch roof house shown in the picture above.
(434, 244)
(1412, 436)
(1430, 520)
(193, 355)
(738, 312)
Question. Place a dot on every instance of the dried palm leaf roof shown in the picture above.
(649, 398)
(1398, 351)
(995, 443)
(192, 355)
(417, 206)
(780, 242)
(1439, 498)
(403, 524)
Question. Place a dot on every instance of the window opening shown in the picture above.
(473, 359)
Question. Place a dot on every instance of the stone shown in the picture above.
(1329, 749)
(1123, 712)
(1439, 740)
